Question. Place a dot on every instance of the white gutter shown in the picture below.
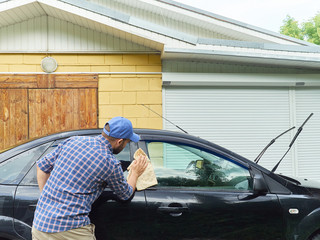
(249, 53)
(241, 79)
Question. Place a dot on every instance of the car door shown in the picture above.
(27, 193)
(115, 219)
(12, 172)
(204, 196)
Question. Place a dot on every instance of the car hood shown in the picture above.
(313, 186)
(303, 182)
(308, 183)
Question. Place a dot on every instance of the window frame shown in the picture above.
(144, 145)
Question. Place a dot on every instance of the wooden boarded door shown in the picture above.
(37, 105)
(13, 117)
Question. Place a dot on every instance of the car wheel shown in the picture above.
(315, 237)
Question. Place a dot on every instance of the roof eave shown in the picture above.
(237, 23)
(271, 59)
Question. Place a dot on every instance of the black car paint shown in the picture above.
(178, 214)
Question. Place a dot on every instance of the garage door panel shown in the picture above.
(308, 146)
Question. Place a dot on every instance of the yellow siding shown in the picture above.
(63, 59)
(123, 98)
(110, 84)
(135, 84)
(32, 59)
(114, 59)
(22, 68)
(129, 100)
(119, 95)
(11, 59)
(91, 59)
(134, 60)
(149, 122)
(4, 68)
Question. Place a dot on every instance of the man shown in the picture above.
(73, 176)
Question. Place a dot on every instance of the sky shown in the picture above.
(267, 14)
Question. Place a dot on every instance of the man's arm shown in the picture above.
(124, 189)
(42, 178)
(46, 164)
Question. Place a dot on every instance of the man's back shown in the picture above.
(81, 168)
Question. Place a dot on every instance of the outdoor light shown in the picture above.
(49, 64)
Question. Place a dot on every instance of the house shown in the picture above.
(68, 64)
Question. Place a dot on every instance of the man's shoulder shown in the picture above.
(86, 140)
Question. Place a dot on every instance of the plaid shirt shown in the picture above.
(80, 168)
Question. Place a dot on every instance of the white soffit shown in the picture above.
(12, 12)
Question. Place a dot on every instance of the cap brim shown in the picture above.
(135, 137)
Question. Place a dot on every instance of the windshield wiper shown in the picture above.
(270, 143)
(293, 140)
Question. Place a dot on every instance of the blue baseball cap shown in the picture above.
(121, 127)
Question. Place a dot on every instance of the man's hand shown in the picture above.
(139, 165)
(136, 169)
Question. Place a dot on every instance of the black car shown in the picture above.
(204, 192)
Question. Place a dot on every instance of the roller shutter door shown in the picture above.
(308, 146)
(246, 119)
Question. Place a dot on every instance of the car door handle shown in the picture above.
(32, 207)
(174, 209)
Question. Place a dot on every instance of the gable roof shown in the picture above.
(287, 39)
(174, 29)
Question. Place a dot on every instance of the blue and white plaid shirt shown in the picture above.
(80, 168)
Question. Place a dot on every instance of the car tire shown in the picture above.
(315, 237)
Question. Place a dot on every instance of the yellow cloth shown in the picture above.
(148, 177)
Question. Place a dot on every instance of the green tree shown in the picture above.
(308, 31)
(291, 28)
(311, 30)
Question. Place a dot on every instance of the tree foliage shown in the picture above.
(308, 31)
(291, 28)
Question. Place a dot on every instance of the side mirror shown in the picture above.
(259, 185)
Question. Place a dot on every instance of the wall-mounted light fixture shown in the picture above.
(49, 64)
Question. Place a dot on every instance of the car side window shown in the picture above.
(178, 165)
(13, 169)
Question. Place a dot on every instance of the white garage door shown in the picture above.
(246, 119)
